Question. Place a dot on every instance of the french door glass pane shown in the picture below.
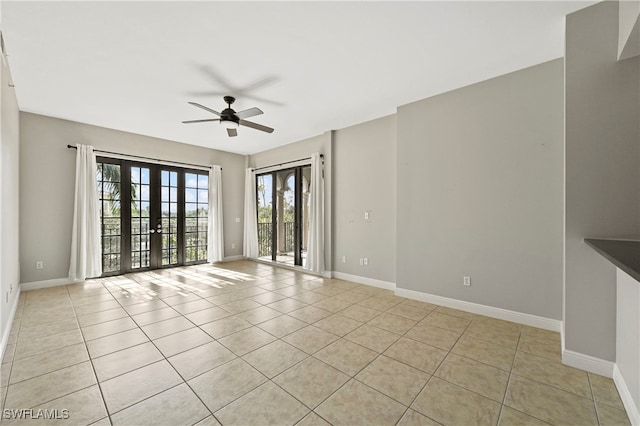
(109, 185)
(196, 216)
(265, 215)
(140, 217)
(169, 200)
(306, 209)
(285, 215)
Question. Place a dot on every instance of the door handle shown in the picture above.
(158, 229)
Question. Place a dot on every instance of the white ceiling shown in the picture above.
(310, 66)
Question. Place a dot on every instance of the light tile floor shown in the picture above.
(245, 343)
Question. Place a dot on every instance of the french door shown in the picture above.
(153, 216)
(283, 214)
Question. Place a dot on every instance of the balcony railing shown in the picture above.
(265, 236)
(264, 239)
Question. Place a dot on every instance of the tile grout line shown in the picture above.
(104, 402)
(184, 380)
(307, 356)
(436, 368)
(352, 377)
(593, 398)
(164, 358)
(252, 324)
(506, 389)
(59, 396)
(19, 325)
(292, 366)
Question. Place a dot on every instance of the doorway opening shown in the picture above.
(152, 216)
(283, 215)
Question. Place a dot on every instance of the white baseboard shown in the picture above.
(45, 284)
(489, 311)
(627, 400)
(233, 258)
(588, 363)
(364, 280)
(7, 330)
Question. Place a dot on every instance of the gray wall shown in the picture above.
(364, 169)
(47, 170)
(602, 172)
(479, 191)
(9, 205)
(303, 149)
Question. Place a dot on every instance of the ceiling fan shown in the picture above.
(231, 119)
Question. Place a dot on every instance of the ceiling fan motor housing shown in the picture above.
(228, 114)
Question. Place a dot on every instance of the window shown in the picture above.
(196, 216)
(152, 216)
(109, 194)
(140, 217)
(169, 217)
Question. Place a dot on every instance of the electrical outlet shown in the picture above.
(39, 264)
(361, 261)
(366, 261)
(344, 259)
(467, 281)
(233, 245)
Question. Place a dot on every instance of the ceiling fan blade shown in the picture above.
(263, 82)
(232, 132)
(200, 121)
(262, 100)
(203, 93)
(256, 126)
(251, 112)
(216, 76)
(205, 108)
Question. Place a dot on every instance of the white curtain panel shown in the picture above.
(315, 247)
(215, 237)
(86, 253)
(250, 246)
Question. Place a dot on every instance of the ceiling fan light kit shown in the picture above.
(230, 119)
(229, 124)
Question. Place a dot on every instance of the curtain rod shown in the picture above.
(287, 162)
(144, 158)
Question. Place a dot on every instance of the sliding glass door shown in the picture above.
(283, 215)
(153, 216)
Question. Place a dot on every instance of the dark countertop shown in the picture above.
(624, 252)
